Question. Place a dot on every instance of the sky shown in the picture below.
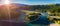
(36, 2)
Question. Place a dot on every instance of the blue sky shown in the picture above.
(36, 2)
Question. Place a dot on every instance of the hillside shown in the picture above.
(15, 9)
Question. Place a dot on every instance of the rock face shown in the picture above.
(54, 24)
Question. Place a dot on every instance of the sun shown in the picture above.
(6, 2)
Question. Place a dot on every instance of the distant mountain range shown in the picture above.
(32, 7)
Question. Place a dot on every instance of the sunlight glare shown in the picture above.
(6, 2)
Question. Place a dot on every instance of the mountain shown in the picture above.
(13, 8)
(19, 4)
